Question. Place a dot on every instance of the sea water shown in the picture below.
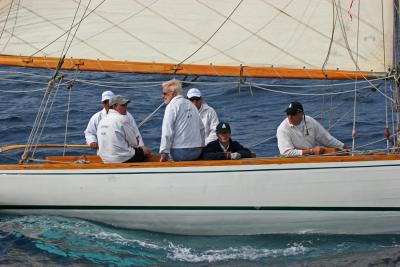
(254, 113)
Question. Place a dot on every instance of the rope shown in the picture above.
(332, 34)
(306, 94)
(150, 115)
(6, 20)
(212, 35)
(48, 112)
(55, 40)
(69, 88)
(37, 122)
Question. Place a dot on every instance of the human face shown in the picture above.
(106, 104)
(167, 95)
(196, 102)
(296, 119)
(224, 137)
(121, 109)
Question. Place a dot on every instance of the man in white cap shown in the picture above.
(207, 114)
(182, 134)
(91, 129)
(117, 138)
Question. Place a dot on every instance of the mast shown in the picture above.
(396, 63)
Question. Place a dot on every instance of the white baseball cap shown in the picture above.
(106, 95)
(193, 92)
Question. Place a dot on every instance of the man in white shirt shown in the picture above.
(182, 135)
(91, 129)
(207, 114)
(300, 135)
(117, 138)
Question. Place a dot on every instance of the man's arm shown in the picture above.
(135, 127)
(213, 152)
(91, 131)
(167, 133)
(285, 145)
(213, 125)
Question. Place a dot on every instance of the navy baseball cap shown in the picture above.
(294, 108)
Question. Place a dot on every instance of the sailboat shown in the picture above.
(324, 40)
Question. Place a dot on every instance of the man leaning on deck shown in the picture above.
(301, 135)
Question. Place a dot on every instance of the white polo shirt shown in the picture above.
(293, 139)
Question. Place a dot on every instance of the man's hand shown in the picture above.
(94, 145)
(235, 155)
(164, 157)
(319, 150)
(147, 151)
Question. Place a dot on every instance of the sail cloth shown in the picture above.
(159, 36)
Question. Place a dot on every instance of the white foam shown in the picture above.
(179, 253)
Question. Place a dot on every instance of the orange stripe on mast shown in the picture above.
(186, 69)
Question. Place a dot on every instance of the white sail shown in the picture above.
(258, 33)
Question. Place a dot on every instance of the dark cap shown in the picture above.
(294, 108)
(223, 127)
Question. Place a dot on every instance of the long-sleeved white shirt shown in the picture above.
(293, 139)
(116, 138)
(210, 121)
(182, 126)
(91, 129)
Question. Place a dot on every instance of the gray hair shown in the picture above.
(173, 85)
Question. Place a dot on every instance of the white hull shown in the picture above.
(357, 197)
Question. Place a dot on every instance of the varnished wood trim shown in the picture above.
(196, 208)
(203, 163)
(163, 68)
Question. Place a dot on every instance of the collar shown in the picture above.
(175, 98)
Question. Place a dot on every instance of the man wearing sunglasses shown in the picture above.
(91, 129)
(118, 140)
(182, 133)
(207, 114)
(301, 135)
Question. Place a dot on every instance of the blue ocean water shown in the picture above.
(254, 109)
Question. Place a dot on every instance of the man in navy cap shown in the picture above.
(300, 135)
(224, 147)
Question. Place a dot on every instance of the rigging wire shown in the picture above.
(353, 131)
(332, 37)
(342, 27)
(387, 133)
(39, 124)
(69, 88)
(212, 35)
(6, 20)
(65, 32)
(148, 117)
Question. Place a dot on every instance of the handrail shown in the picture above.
(15, 147)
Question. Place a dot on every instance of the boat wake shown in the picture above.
(56, 240)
